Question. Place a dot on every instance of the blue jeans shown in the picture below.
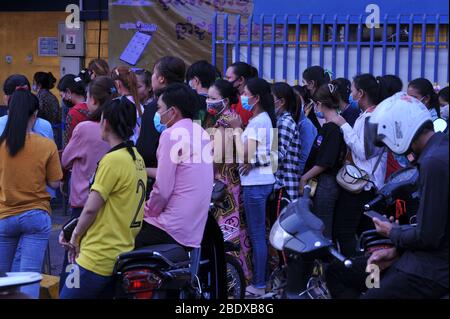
(23, 241)
(89, 286)
(255, 200)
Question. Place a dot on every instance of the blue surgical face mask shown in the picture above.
(160, 127)
(245, 105)
(318, 114)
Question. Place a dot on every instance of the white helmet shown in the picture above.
(395, 122)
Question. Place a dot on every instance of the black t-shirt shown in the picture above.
(351, 113)
(148, 141)
(328, 149)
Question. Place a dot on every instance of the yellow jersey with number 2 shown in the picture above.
(121, 182)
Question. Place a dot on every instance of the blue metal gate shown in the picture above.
(408, 46)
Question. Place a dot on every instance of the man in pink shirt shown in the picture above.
(177, 210)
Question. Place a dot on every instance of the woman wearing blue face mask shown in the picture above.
(324, 161)
(368, 91)
(256, 172)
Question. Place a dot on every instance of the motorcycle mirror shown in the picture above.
(440, 125)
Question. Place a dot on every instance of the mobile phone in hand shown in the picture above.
(373, 214)
(68, 228)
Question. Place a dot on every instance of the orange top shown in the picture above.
(23, 177)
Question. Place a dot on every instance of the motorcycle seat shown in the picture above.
(174, 253)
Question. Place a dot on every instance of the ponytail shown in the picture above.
(425, 88)
(260, 87)
(328, 95)
(284, 91)
(102, 90)
(121, 116)
(22, 105)
(129, 81)
(14, 82)
(245, 70)
(374, 88)
(318, 75)
(45, 80)
(343, 87)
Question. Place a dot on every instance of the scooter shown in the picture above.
(169, 271)
(298, 231)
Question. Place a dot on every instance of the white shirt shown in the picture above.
(137, 128)
(444, 112)
(260, 129)
(354, 138)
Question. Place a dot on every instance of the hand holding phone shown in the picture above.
(68, 228)
(373, 214)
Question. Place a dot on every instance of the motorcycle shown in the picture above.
(298, 231)
(168, 271)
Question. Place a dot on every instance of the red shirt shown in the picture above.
(77, 114)
(243, 113)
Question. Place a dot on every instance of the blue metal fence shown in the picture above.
(239, 38)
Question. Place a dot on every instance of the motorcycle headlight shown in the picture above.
(278, 236)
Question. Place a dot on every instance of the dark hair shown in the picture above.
(22, 105)
(102, 90)
(182, 97)
(146, 75)
(317, 74)
(171, 68)
(227, 90)
(121, 116)
(443, 94)
(45, 80)
(129, 81)
(328, 95)
(75, 84)
(393, 84)
(425, 88)
(204, 71)
(99, 66)
(261, 88)
(284, 91)
(303, 92)
(425, 127)
(374, 88)
(14, 82)
(245, 70)
(343, 89)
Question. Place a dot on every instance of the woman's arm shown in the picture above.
(353, 137)
(93, 205)
(71, 151)
(316, 170)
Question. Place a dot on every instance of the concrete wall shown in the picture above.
(19, 33)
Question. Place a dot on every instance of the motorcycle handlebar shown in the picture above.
(306, 191)
(347, 262)
(370, 205)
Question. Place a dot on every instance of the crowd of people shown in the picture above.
(129, 158)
